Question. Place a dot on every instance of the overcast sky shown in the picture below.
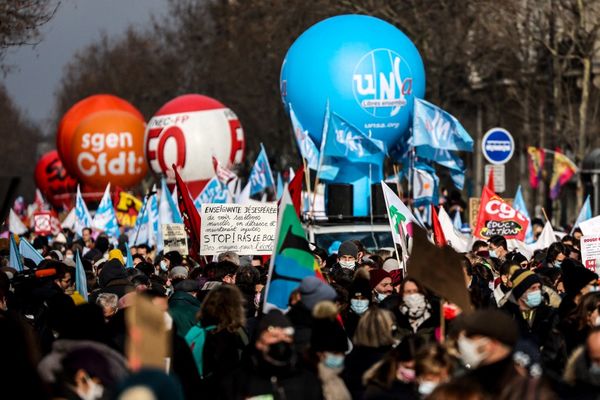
(77, 23)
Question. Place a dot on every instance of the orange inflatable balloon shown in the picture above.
(108, 146)
(77, 113)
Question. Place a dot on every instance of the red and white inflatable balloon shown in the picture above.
(188, 131)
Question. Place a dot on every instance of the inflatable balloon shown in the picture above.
(366, 68)
(77, 113)
(108, 146)
(188, 131)
(53, 180)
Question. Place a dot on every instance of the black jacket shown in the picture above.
(301, 318)
(398, 390)
(357, 363)
(222, 355)
(427, 328)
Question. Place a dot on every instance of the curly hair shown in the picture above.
(223, 307)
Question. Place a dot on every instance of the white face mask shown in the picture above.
(347, 264)
(94, 392)
(168, 321)
(469, 351)
(597, 321)
(426, 387)
(414, 301)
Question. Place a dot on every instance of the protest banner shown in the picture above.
(497, 217)
(246, 229)
(174, 238)
(591, 226)
(590, 252)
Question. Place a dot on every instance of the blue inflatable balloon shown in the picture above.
(367, 69)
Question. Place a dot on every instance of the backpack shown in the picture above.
(195, 338)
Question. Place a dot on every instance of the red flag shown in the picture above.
(295, 188)
(490, 183)
(438, 234)
(189, 214)
(497, 217)
(223, 174)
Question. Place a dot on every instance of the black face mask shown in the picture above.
(280, 354)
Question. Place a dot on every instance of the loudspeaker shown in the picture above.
(339, 199)
(378, 201)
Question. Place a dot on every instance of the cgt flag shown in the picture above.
(497, 217)
(292, 259)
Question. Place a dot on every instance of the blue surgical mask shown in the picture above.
(534, 299)
(557, 263)
(493, 254)
(164, 266)
(381, 296)
(359, 306)
(333, 361)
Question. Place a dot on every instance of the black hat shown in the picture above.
(93, 362)
(272, 319)
(348, 248)
(174, 258)
(328, 335)
(575, 276)
(516, 258)
(523, 279)
(490, 323)
(360, 286)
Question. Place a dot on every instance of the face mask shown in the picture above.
(333, 361)
(469, 352)
(381, 296)
(594, 374)
(406, 374)
(594, 288)
(347, 264)
(533, 299)
(414, 301)
(164, 266)
(493, 254)
(279, 354)
(69, 256)
(95, 390)
(168, 321)
(597, 321)
(359, 306)
(426, 387)
(557, 263)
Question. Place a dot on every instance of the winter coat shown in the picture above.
(112, 279)
(357, 363)
(333, 386)
(222, 355)
(544, 333)
(254, 379)
(51, 365)
(580, 384)
(183, 308)
(426, 329)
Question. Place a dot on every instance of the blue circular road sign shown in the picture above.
(497, 146)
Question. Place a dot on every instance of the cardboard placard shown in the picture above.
(174, 238)
(590, 252)
(247, 229)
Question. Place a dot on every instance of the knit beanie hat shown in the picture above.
(377, 275)
(313, 290)
(575, 276)
(523, 279)
(360, 286)
(348, 248)
(273, 319)
(328, 335)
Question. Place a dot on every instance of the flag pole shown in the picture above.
(306, 179)
(398, 183)
(323, 140)
(545, 215)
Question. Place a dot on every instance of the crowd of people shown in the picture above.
(364, 330)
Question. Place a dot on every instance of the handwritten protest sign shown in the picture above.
(247, 229)
(174, 238)
(590, 252)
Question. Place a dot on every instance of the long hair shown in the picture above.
(384, 372)
(223, 307)
(589, 302)
(375, 328)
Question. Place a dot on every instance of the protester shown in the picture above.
(360, 301)
(582, 372)
(498, 247)
(183, 306)
(381, 285)
(577, 325)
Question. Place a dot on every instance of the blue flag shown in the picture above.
(446, 159)
(15, 260)
(80, 278)
(425, 185)
(519, 205)
(436, 128)
(261, 177)
(584, 214)
(344, 140)
(307, 147)
(279, 185)
(82, 214)
(214, 192)
(154, 222)
(168, 210)
(129, 258)
(457, 221)
(28, 251)
(106, 218)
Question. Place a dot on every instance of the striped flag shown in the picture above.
(224, 174)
